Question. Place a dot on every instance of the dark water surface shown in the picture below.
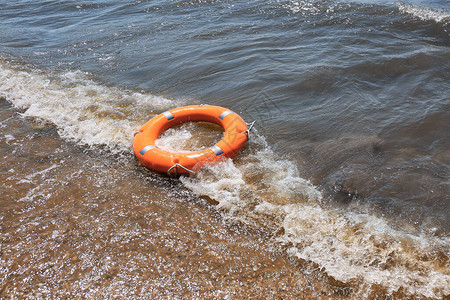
(344, 194)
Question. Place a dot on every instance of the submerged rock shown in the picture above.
(352, 180)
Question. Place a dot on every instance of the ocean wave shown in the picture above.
(83, 110)
(359, 249)
(425, 13)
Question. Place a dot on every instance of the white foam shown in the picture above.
(188, 137)
(83, 110)
(425, 13)
(363, 248)
(311, 8)
(360, 249)
(174, 140)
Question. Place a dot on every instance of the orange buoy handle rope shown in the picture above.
(154, 158)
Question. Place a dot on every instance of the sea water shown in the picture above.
(343, 194)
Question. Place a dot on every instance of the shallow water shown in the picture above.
(345, 190)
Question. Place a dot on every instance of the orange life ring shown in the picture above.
(154, 158)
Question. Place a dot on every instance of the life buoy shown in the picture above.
(157, 159)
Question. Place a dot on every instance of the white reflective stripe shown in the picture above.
(146, 148)
(225, 113)
(168, 115)
(216, 149)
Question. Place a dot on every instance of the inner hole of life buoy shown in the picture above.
(190, 136)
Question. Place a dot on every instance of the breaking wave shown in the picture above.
(425, 13)
(357, 249)
(83, 110)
